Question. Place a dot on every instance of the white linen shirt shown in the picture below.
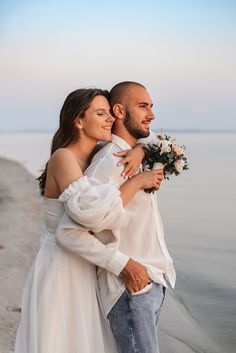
(136, 233)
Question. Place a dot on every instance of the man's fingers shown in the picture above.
(136, 285)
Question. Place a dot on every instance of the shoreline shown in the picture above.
(21, 225)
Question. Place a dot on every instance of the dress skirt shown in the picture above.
(60, 311)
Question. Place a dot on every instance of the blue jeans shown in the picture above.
(134, 320)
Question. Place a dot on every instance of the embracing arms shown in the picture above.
(97, 203)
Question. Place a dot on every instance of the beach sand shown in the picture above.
(21, 224)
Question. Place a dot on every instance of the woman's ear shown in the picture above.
(118, 111)
(78, 123)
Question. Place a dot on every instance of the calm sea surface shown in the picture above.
(199, 213)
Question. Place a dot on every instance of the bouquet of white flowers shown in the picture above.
(165, 151)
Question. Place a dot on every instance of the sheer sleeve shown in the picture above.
(94, 206)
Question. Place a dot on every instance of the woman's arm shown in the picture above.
(140, 181)
(66, 170)
(99, 204)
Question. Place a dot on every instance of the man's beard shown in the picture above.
(133, 128)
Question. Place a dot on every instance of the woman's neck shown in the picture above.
(82, 150)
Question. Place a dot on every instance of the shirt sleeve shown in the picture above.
(76, 239)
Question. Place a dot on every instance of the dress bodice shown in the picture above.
(53, 211)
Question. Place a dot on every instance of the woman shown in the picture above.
(60, 284)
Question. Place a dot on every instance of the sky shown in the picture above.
(183, 51)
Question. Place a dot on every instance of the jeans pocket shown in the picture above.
(143, 290)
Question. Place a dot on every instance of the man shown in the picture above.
(132, 277)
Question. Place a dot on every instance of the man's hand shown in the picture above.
(135, 276)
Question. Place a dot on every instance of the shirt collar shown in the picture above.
(122, 144)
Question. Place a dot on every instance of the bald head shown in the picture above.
(119, 92)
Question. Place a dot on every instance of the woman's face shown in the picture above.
(97, 121)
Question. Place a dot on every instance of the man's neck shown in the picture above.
(125, 135)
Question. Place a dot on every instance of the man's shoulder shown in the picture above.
(106, 153)
(104, 165)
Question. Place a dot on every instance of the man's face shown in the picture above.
(138, 106)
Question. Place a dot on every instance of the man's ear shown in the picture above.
(118, 110)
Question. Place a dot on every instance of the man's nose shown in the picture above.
(151, 115)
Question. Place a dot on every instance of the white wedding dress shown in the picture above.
(60, 310)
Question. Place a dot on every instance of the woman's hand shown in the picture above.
(133, 158)
(150, 179)
(144, 180)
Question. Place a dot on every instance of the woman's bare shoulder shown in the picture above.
(64, 159)
(62, 154)
(63, 168)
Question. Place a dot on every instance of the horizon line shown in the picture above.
(170, 130)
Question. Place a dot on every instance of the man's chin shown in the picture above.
(146, 133)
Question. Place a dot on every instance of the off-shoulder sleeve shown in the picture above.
(95, 206)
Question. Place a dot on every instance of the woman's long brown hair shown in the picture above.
(74, 106)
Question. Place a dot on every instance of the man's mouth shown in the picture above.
(146, 124)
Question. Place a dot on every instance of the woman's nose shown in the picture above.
(110, 117)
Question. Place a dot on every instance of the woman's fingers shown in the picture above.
(130, 170)
(121, 153)
(123, 161)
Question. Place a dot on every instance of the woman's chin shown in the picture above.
(106, 137)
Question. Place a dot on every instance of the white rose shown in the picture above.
(157, 165)
(161, 136)
(179, 165)
(165, 148)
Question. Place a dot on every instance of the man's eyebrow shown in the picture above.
(145, 103)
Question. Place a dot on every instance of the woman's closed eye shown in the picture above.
(101, 112)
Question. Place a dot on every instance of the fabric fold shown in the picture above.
(94, 206)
